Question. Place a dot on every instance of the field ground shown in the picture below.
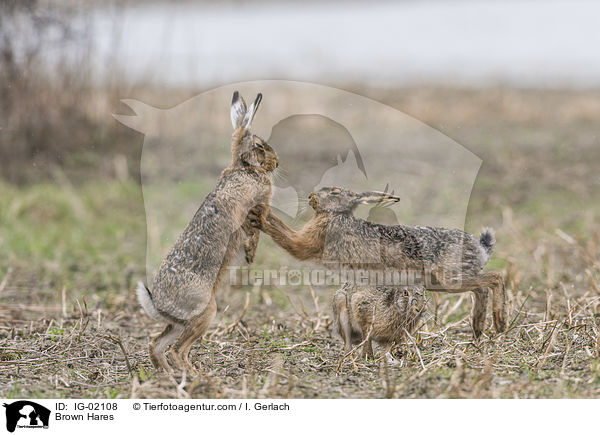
(70, 255)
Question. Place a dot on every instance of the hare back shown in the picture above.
(449, 251)
(350, 240)
(386, 311)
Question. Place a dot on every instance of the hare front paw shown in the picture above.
(250, 248)
(256, 216)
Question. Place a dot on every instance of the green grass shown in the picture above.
(84, 238)
(88, 242)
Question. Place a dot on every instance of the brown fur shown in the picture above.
(454, 258)
(183, 291)
(376, 313)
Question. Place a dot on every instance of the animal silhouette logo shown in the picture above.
(26, 414)
(323, 136)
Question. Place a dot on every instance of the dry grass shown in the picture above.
(551, 348)
(538, 187)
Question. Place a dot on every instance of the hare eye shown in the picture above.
(335, 192)
(259, 146)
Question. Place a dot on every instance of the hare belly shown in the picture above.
(182, 294)
(236, 249)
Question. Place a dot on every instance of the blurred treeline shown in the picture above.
(54, 114)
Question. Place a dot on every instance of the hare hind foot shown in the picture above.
(159, 345)
(182, 363)
(193, 330)
(478, 314)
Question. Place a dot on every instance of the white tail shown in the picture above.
(145, 300)
(487, 240)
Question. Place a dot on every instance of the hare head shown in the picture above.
(410, 302)
(338, 200)
(248, 149)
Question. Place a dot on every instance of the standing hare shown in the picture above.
(384, 314)
(183, 291)
(451, 260)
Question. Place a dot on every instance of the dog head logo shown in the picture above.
(323, 137)
(26, 414)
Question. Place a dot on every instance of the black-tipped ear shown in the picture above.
(238, 110)
(252, 111)
(257, 101)
(381, 198)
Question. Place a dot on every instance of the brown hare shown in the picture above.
(383, 314)
(450, 260)
(183, 291)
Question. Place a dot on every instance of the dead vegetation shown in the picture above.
(70, 325)
(257, 349)
(54, 119)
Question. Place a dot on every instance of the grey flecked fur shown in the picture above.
(384, 314)
(208, 244)
(450, 260)
(183, 291)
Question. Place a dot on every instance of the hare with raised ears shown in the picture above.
(384, 314)
(451, 260)
(183, 291)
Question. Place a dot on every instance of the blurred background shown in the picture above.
(66, 65)
(516, 84)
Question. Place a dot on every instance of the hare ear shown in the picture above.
(381, 198)
(252, 111)
(238, 110)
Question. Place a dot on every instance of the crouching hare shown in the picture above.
(450, 260)
(183, 292)
(384, 314)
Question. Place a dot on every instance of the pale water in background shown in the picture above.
(530, 43)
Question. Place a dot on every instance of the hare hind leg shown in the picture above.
(159, 345)
(493, 281)
(341, 320)
(480, 298)
(499, 302)
(193, 330)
